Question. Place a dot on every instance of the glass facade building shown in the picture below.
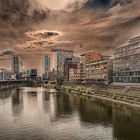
(16, 64)
(47, 67)
(126, 62)
(61, 57)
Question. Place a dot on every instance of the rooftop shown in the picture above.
(131, 41)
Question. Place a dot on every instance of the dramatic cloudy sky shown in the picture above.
(32, 28)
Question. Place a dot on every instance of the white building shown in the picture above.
(5, 74)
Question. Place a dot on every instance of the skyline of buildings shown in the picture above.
(91, 67)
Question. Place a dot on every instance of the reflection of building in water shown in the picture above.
(52, 105)
(126, 124)
(59, 105)
(6, 93)
(17, 102)
(32, 94)
(46, 96)
(64, 105)
(95, 112)
(45, 101)
(49, 104)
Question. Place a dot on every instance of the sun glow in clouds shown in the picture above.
(42, 34)
(55, 4)
(39, 38)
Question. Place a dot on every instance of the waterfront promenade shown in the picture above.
(129, 96)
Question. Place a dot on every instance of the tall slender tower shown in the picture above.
(47, 67)
(16, 64)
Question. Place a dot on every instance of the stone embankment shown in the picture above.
(118, 94)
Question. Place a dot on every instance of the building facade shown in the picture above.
(93, 56)
(74, 73)
(61, 56)
(5, 74)
(126, 62)
(83, 68)
(86, 59)
(99, 71)
(71, 64)
(46, 67)
(33, 73)
(16, 65)
(52, 75)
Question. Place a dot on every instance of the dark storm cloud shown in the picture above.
(16, 17)
(5, 53)
(105, 25)
(20, 12)
(85, 25)
(97, 3)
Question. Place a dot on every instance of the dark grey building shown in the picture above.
(33, 73)
(16, 64)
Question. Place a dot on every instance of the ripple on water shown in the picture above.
(43, 116)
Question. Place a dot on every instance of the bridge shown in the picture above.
(17, 82)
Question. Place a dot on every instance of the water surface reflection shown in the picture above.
(35, 114)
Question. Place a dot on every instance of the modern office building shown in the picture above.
(96, 68)
(74, 73)
(126, 62)
(99, 71)
(33, 73)
(88, 58)
(52, 75)
(5, 74)
(83, 68)
(61, 55)
(16, 64)
(93, 56)
(71, 64)
(46, 67)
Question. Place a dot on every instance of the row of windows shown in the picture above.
(124, 54)
(125, 69)
(127, 79)
(136, 73)
(128, 58)
(127, 48)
